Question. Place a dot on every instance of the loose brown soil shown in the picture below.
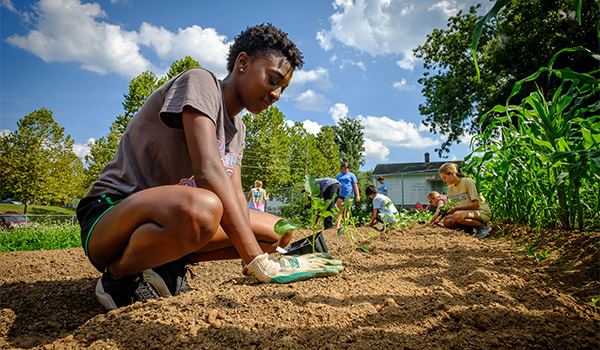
(417, 288)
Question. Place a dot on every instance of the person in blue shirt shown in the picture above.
(384, 187)
(349, 186)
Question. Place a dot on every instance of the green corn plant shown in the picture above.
(538, 162)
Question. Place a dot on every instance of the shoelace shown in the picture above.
(145, 291)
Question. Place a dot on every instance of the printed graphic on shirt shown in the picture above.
(460, 197)
(228, 159)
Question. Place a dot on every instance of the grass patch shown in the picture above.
(36, 209)
(41, 238)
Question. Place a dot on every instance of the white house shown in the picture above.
(409, 183)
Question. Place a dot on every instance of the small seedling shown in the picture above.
(593, 303)
(348, 223)
(318, 209)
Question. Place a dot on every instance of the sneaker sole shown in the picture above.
(104, 298)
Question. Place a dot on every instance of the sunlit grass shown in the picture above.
(49, 237)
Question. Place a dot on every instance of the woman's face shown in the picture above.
(263, 80)
(448, 178)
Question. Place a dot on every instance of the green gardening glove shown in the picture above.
(287, 269)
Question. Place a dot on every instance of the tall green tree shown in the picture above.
(349, 137)
(38, 162)
(324, 160)
(522, 37)
(267, 151)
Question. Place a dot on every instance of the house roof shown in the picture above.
(404, 168)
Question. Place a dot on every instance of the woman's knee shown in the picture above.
(196, 221)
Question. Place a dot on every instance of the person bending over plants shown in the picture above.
(384, 210)
(438, 201)
(172, 195)
(470, 210)
(329, 189)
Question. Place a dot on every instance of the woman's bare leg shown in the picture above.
(463, 218)
(220, 247)
(153, 227)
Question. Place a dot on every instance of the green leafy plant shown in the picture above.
(318, 210)
(349, 222)
(539, 256)
(593, 303)
(538, 162)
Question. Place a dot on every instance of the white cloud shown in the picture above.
(7, 4)
(318, 76)
(408, 62)
(338, 111)
(448, 8)
(383, 27)
(395, 133)
(81, 150)
(69, 31)
(375, 151)
(402, 85)
(311, 127)
(4, 132)
(209, 48)
(358, 64)
(311, 101)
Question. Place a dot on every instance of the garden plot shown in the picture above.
(417, 288)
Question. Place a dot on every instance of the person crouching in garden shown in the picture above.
(172, 194)
(383, 208)
(438, 201)
(470, 209)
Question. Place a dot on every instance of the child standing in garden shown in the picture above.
(470, 208)
(258, 197)
(349, 184)
(439, 202)
(383, 208)
(172, 194)
(384, 187)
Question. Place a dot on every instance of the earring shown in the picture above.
(241, 69)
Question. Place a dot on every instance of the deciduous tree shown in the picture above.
(522, 37)
(38, 162)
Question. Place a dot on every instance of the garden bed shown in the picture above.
(417, 288)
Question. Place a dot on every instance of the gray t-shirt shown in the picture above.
(153, 150)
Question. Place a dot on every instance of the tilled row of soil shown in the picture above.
(417, 288)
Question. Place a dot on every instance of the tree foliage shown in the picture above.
(280, 155)
(38, 163)
(349, 137)
(522, 37)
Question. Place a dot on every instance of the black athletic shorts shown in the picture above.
(89, 211)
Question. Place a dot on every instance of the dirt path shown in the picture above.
(418, 288)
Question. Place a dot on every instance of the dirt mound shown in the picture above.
(417, 288)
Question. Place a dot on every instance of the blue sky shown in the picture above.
(76, 58)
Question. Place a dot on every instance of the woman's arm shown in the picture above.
(210, 174)
(373, 218)
(356, 193)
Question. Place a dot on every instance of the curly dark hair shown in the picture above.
(264, 39)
